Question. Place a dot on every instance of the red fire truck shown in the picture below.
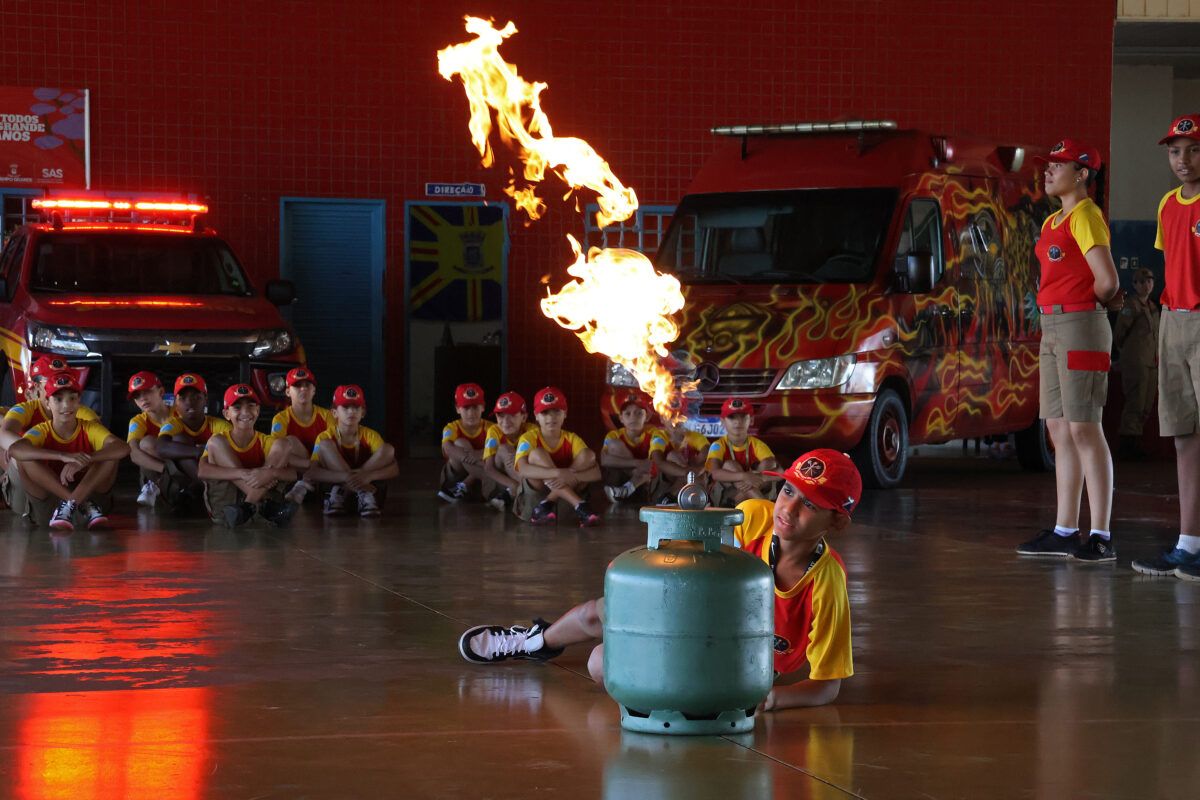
(120, 283)
(861, 287)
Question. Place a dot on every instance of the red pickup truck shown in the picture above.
(116, 284)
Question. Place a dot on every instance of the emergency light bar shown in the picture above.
(82, 204)
(851, 126)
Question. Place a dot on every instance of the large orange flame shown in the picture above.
(618, 305)
(492, 84)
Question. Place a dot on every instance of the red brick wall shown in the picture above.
(244, 102)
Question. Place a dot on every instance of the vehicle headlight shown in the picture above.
(53, 339)
(273, 343)
(277, 383)
(619, 376)
(819, 373)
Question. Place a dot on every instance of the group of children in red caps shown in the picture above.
(61, 463)
(534, 467)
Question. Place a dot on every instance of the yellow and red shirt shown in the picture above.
(143, 425)
(569, 446)
(89, 436)
(252, 455)
(285, 423)
(1179, 238)
(455, 431)
(812, 618)
(694, 443)
(212, 426)
(31, 413)
(496, 437)
(1067, 278)
(639, 449)
(749, 454)
(358, 451)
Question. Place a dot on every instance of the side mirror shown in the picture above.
(281, 292)
(918, 273)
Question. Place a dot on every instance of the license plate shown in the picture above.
(709, 426)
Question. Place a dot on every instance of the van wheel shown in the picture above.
(882, 454)
(1035, 450)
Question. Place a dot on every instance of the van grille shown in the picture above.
(739, 381)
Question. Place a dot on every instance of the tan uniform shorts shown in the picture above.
(1073, 364)
(1178, 372)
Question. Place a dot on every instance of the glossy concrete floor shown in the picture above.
(178, 660)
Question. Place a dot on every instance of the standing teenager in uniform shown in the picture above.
(1179, 344)
(1078, 280)
(1136, 337)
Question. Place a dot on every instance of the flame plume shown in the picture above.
(618, 304)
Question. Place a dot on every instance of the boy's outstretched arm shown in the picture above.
(797, 690)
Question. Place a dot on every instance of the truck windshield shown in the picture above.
(131, 263)
(804, 236)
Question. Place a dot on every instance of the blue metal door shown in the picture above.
(333, 250)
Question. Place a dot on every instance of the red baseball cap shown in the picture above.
(548, 399)
(63, 379)
(468, 394)
(300, 374)
(1187, 126)
(190, 380)
(735, 405)
(240, 391)
(142, 381)
(45, 366)
(349, 395)
(1072, 151)
(510, 403)
(635, 398)
(826, 477)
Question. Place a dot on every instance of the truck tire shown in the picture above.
(1035, 450)
(882, 454)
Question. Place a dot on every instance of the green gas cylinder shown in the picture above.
(688, 628)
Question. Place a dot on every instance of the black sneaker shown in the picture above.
(238, 514)
(277, 513)
(1096, 550)
(587, 518)
(453, 493)
(489, 644)
(543, 513)
(1049, 544)
(1167, 563)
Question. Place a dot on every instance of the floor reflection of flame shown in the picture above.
(105, 745)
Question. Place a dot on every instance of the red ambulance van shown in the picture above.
(863, 288)
(116, 284)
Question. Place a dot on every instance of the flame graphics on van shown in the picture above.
(617, 305)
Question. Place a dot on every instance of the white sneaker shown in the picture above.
(297, 492)
(616, 494)
(335, 503)
(367, 507)
(95, 517)
(60, 520)
(487, 644)
(149, 494)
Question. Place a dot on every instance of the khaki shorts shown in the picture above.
(1073, 363)
(1178, 373)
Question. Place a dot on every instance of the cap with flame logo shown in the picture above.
(826, 477)
(190, 380)
(300, 374)
(63, 379)
(548, 399)
(735, 405)
(468, 394)
(45, 366)
(510, 403)
(141, 381)
(1072, 150)
(1187, 126)
(349, 395)
(240, 391)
